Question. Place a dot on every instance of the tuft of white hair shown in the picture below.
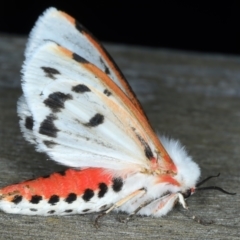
(188, 170)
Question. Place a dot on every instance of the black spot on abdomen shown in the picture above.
(68, 211)
(48, 128)
(33, 209)
(53, 199)
(104, 207)
(17, 199)
(51, 211)
(117, 184)
(103, 189)
(35, 199)
(86, 210)
(56, 100)
(50, 72)
(96, 120)
(71, 198)
(88, 194)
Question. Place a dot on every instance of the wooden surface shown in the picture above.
(188, 96)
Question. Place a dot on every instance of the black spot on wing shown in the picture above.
(29, 122)
(71, 198)
(53, 199)
(103, 189)
(47, 127)
(88, 194)
(49, 144)
(108, 93)
(78, 58)
(83, 30)
(117, 184)
(80, 88)
(106, 69)
(35, 199)
(55, 101)
(50, 72)
(17, 199)
(147, 150)
(80, 27)
(96, 120)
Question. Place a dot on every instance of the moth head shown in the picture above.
(190, 191)
(186, 194)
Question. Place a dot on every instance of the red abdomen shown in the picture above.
(58, 191)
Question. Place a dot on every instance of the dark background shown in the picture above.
(187, 25)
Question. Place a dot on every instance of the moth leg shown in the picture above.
(119, 204)
(179, 198)
(165, 204)
(132, 215)
(195, 218)
(158, 204)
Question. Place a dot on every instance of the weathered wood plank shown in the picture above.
(189, 96)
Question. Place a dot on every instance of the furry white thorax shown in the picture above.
(188, 171)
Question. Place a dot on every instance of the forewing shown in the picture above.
(81, 118)
(61, 28)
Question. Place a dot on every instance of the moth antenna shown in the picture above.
(215, 188)
(206, 179)
(211, 187)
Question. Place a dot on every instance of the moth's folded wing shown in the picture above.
(81, 118)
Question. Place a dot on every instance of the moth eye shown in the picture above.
(187, 194)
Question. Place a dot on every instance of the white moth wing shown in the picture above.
(86, 127)
(59, 27)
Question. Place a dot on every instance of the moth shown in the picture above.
(78, 108)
